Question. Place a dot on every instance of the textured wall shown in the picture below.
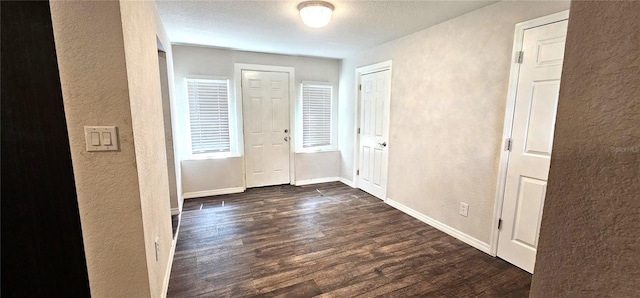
(164, 39)
(589, 241)
(107, 54)
(93, 77)
(139, 26)
(168, 128)
(317, 165)
(213, 174)
(448, 96)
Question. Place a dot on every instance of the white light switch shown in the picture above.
(101, 138)
(95, 139)
(106, 138)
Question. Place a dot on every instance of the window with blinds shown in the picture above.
(209, 115)
(316, 115)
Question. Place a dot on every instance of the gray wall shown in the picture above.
(589, 239)
(448, 97)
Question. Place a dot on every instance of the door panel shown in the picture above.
(278, 116)
(266, 117)
(529, 201)
(550, 51)
(377, 164)
(256, 109)
(280, 157)
(364, 170)
(541, 117)
(532, 136)
(257, 155)
(375, 103)
(366, 123)
(379, 122)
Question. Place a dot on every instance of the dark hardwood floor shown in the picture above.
(336, 242)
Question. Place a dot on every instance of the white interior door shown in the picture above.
(265, 109)
(532, 137)
(375, 103)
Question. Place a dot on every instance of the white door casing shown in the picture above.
(375, 105)
(265, 108)
(534, 115)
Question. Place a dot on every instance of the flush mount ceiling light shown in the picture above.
(315, 14)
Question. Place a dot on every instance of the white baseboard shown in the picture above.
(316, 181)
(482, 246)
(214, 192)
(348, 182)
(175, 211)
(172, 252)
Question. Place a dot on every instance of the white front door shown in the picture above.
(265, 110)
(532, 137)
(375, 103)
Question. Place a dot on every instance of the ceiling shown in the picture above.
(275, 27)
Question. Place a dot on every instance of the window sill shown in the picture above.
(213, 156)
(317, 150)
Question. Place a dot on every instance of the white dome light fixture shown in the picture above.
(315, 14)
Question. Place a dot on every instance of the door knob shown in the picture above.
(286, 131)
(286, 139)
(383, 144)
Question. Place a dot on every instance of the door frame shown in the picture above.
(509, 114)
(238, 68)
(361, 71)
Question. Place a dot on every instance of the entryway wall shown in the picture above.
(449, 88)
(212, 176)
(174, 195)
(108, 62)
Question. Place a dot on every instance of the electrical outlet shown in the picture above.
(464, 209)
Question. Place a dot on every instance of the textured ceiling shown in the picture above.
(275, 26)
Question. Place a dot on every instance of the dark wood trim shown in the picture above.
(42, 248)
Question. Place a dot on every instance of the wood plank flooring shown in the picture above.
(287, 241)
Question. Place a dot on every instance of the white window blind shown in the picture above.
(209, 115)
(316, 115)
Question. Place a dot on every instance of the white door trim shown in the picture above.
(509, 113)
(238, 68)
(360, 71)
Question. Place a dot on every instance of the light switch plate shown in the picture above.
(106, 140)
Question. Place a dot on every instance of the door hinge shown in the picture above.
(499, 224)
(360, 87)
(357, 172)
(509, 144)
(520, 57)
(358, 130)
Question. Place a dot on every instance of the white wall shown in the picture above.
(209, 175)
(315, 167)
(166, 43)
(109, 75)
(449, 87)
(106, 182)
(168, 131)
(141, 28)
(212, 175)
